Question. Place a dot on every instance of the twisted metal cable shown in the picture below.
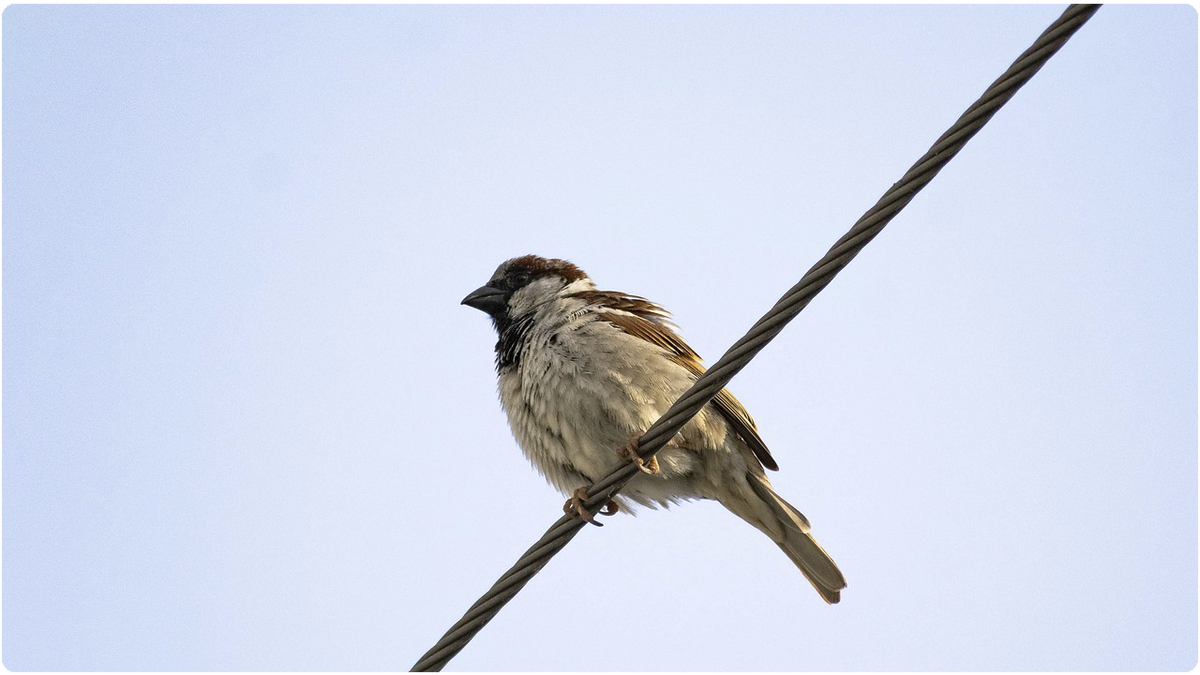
(792, 302)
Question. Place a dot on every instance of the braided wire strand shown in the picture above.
(742, 351)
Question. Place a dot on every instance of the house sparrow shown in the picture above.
(583, 371)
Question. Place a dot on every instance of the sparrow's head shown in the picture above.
(521, 285)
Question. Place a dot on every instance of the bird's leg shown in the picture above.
(629, 453)
(577, 506)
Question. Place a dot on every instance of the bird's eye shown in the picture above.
(517, 279)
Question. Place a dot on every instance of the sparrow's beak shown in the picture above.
(487, 299)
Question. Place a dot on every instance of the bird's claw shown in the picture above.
(577, 506)
(629, 453)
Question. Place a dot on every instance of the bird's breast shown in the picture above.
(580, 390)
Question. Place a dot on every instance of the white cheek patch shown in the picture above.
(537, 292)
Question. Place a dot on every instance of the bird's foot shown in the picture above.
(577, 506)
(629, 453)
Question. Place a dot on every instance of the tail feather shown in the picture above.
(789, 529)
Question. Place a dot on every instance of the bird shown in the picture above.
(583, 372)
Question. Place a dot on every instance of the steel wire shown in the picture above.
(762, 332)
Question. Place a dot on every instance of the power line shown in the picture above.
(786, 309)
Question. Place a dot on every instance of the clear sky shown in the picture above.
(247, 424)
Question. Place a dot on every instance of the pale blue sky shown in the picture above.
(248, 426)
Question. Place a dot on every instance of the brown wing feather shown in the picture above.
(735, 414)
(643, 319)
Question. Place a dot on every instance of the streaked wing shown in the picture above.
(643, 319)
